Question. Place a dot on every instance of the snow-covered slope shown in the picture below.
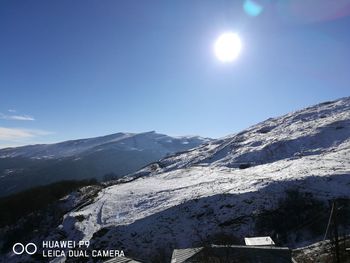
(310, 131)
(109, 156)
(221, 185)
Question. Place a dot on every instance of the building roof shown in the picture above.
(247, 254)
(122, 260)
(259, 241)
(181, 255)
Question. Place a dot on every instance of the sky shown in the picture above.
(84, 68)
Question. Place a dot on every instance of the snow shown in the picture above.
(118, 205)
(63, 149)
(104, 157)
(127, 141)
(221, 185)
(308, 150)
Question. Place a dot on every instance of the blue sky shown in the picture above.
(83, 68)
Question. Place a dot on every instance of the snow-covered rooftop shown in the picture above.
(259, 241)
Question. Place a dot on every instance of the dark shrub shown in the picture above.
(296, 213)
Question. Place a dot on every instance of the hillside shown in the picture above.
(284, 169)
(205, 191)
(101, 158)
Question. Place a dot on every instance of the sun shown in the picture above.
(227, 47)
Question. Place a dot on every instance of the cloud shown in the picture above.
(21, 118)
(15, 134)
(16, 117)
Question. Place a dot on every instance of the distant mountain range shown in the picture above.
(106, 157)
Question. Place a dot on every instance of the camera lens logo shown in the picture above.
(19, 248)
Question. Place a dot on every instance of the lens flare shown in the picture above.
(252, 8)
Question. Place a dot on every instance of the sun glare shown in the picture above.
(227, 47)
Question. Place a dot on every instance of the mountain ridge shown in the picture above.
(106, 157)
(22, 151)
(204, 194)
(307, 150)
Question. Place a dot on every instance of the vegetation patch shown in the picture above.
(300, 216)
(15, 206)
(34, 213)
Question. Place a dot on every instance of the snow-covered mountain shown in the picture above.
(111, 156)
(308, 132)
(221, 187)
(129, 141)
